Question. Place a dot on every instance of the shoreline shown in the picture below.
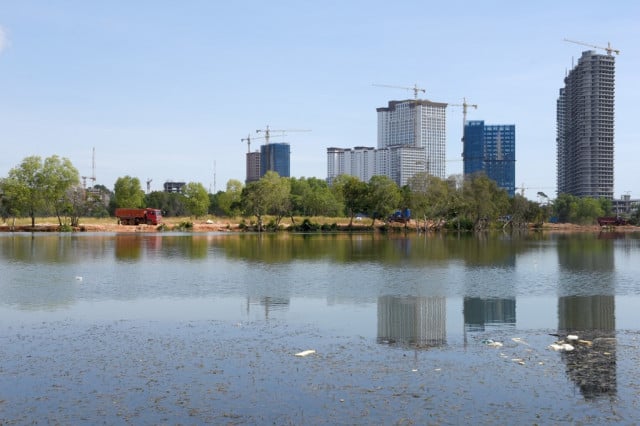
(233, 226)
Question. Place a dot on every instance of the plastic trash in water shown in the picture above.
(492, 343)
(305, 353)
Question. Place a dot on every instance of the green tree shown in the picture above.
(589, 209)
(172, 204)
(228, 202)
(351, 192)
(483, 200)
(196, 199)
(61, 188)
(313, 197)
(128, 192)
(383, 197)
(23, 188)
(278, 195)
(430, 197)
(269, 195)
(254, 202)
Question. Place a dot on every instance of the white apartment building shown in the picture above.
(411, 140)
(415, 124)
(359, 161)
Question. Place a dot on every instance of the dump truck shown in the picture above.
(612, 221)
(146, 216)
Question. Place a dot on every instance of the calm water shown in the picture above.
(432, 298)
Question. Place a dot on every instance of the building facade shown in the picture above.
(585, 128)
(411, 140)
(253, 166)
(414, 124)
(491, 149)
(359, 161)
(275, 157)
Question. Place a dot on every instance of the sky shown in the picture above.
(166, 91)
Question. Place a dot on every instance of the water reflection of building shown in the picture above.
(269, 304)
(592, 367)
(588, 310)
(480, 313)
(412, 321)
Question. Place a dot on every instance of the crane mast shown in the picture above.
(415, 89)
(267, 132)
(607, 49)
(465, 106)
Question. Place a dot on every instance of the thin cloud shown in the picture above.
(4, 42)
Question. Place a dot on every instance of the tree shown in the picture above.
(128, 192)
(383, 197)
(269, 195)
(352, 193)
(278, 195)
(60, 187)
(254, 202)
(483, 200)
(430, 197)
(23, 188)
(171, 203)
(313, 197)
(196, 199)
(228, 202)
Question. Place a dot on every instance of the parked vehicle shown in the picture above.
(611, 221)
(138, 216)
(402, 216)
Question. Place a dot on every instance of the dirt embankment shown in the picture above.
(234, 226)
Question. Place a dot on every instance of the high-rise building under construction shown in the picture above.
(585, 128)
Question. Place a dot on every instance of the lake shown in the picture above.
(407, 329)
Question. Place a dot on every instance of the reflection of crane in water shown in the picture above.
(269, 304)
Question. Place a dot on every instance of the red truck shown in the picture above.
(137, 216)
(612, 221)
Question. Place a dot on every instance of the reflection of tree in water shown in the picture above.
(592, 365)
(585, 252)
(412, 321)
(480, 313)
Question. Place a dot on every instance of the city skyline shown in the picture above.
(166, 92)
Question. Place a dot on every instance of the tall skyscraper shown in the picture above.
(416, 131)
(253, 166)
(585, 128)
(491, 149)
(275, 157)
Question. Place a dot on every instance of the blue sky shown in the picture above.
(166, 90)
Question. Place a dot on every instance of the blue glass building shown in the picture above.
(275, 157)
(491, 149)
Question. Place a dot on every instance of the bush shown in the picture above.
(460, 224)
(65, 228)
(184, 226)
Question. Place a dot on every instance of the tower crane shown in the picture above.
(267, 132)
(248, 140)
(415, 88)
(464, 106)
(93, 170)
(608, 49)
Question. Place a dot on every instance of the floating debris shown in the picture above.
(492, 343)
(305, 353)
(561, 347)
